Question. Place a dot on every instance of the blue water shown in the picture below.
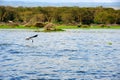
(70, 55)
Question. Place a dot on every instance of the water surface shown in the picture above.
(70, 55)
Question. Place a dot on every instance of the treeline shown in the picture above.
(60, 15)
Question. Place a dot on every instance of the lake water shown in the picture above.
(70, 55)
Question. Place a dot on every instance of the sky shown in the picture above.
(67, 0)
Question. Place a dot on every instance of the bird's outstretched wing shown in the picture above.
(31, 37)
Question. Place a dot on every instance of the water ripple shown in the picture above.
(70, 55)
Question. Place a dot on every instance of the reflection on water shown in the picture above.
(70, 55)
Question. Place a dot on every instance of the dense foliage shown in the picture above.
(60, 15)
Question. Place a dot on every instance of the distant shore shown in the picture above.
(114, 5)
(59, 17)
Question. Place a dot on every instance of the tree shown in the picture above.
(117, 16)
(67, 17)
(87, 16)
(9, 15)
(2, 11)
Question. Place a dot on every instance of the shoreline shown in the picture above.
(62, 27)
(58, 31)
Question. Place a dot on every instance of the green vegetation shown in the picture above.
(61, 17)
(59, 27)
(67, 27)
(16, 27)
(91, 27)
(109, 43)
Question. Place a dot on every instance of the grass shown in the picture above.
(67, 27)
(92, 27)
(16, 27)
(58, 27)
(111, 27)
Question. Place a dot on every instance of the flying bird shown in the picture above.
(31, 38)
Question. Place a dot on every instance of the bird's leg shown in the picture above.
(32, 40)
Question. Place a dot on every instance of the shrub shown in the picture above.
(79, 25)
(50, 26)
(13, 24)
(85, 26)
(104, 26)
(39, 24)
(27, 25)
